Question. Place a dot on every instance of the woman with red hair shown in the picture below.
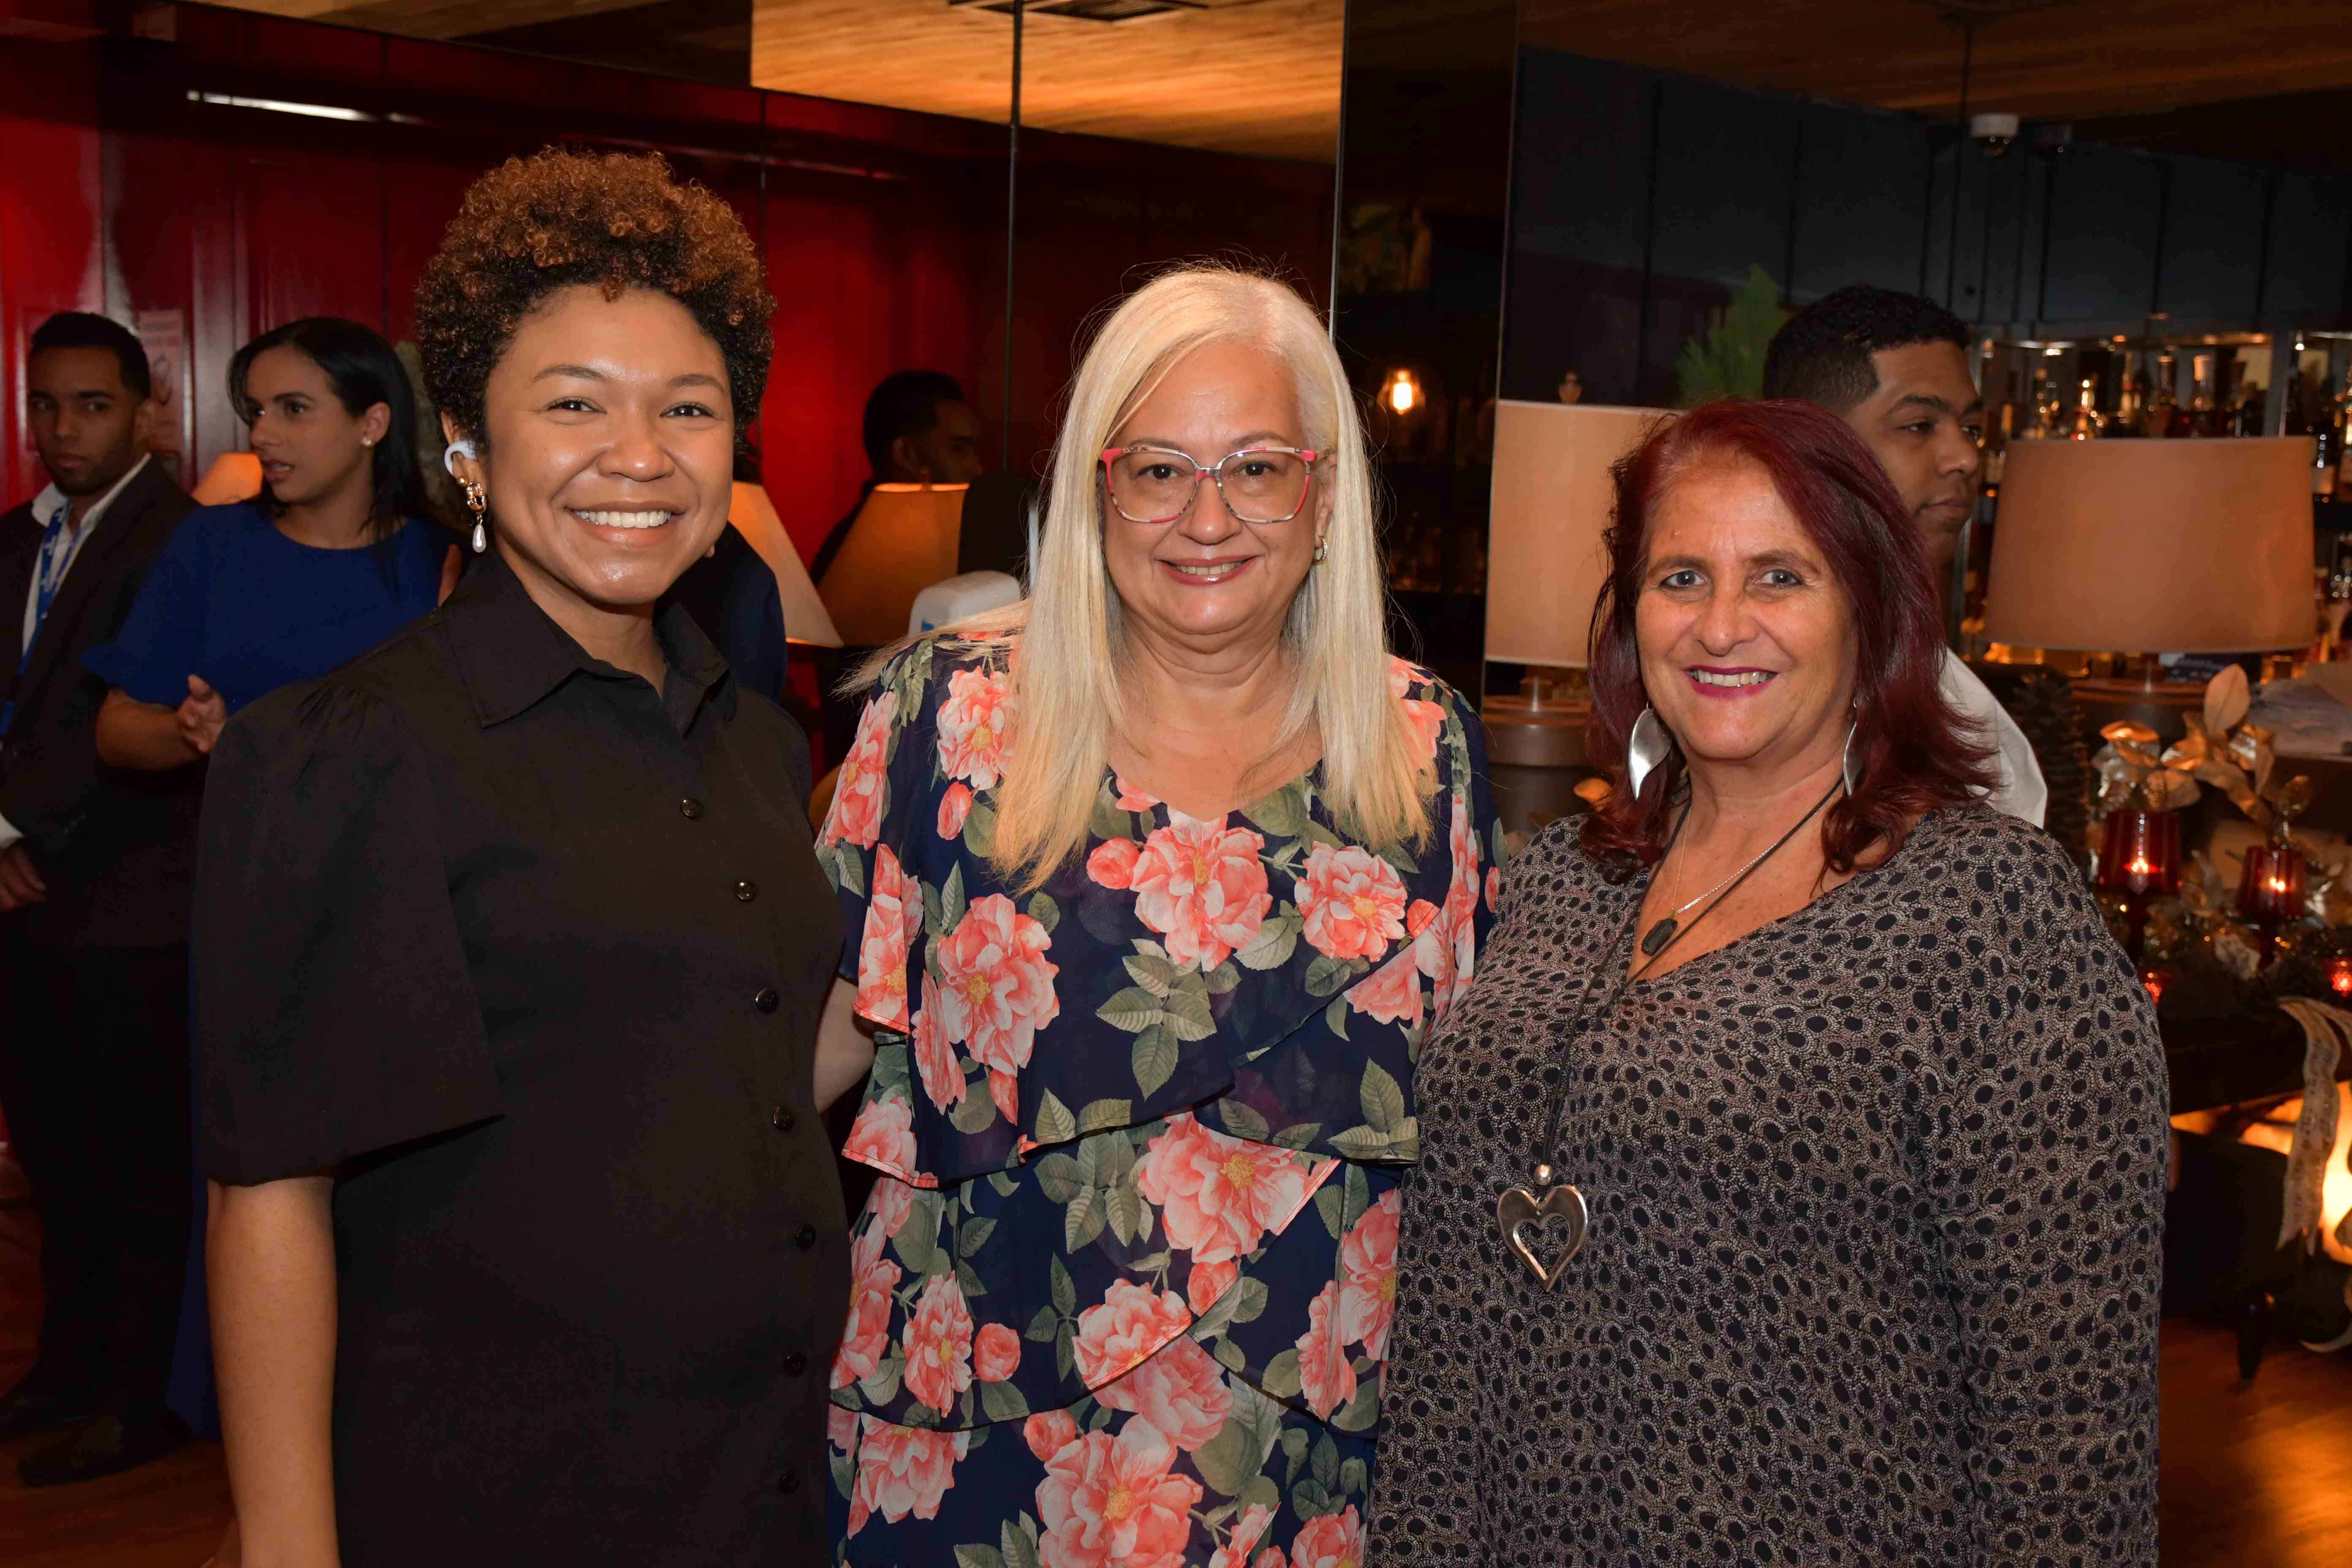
(1792, 1177)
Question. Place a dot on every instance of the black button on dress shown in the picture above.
(1877, 1196)
(457, 939)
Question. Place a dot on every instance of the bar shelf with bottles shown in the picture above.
(2170, 381)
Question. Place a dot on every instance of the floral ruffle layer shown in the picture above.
(1100, 1108)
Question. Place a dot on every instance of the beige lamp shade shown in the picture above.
(751, 514)
(233, 477)
(903, 541)
(1553, 497)
(2182, 546)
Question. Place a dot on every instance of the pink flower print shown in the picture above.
(1050, 1433)
(975, 718)
(1367, 1275)
(1392, 992)
(1005, 1089)
(886, 1209)
(995, 1354)
(1218, 1196)
(1118, 1333)
(1110, 1502)
(935, 1059)
(954, 806)
(861, 791)
(1235, 1553)
(1353, 900)
(1201, 885)
(1178, 1390)
(1428, 719)
(1329, 1540)
(1417, 919)
(1494, 889)
(1112, 865)
(1326, 1375)
(841, 1429)
(996, 987)
(1209, 1282)
(867, 1334)
(893, 914)
(883, 1136)
(1131, 798)
(939, 1343)
(1271, 1557)
(903, 1470)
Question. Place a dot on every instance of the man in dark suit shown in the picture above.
(94, 867)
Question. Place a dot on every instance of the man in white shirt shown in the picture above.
(95, 870)
(1895, 367)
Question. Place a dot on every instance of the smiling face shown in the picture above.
(1206, 578)
(1924, 424)
(310, 445)
(1747, 640)
(610, 454)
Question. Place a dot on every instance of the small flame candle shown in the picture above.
(2156, 977)
(2340, 975)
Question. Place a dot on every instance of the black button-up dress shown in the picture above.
(532, 956)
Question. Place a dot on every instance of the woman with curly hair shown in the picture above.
(527, 1244)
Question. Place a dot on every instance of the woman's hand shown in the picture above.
(20, 879)
(201, 716)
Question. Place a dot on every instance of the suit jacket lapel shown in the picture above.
(116, 526)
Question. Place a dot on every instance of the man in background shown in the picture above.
(919, 429)
(1895, 367)
(95, 870)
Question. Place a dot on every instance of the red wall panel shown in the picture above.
(52, 257)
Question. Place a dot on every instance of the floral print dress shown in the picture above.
(1122, 1292)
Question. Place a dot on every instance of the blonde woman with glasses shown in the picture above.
(1152, 886)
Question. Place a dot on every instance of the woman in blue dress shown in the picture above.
(330, 560)
(1152, 886)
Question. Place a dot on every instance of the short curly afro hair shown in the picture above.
(559, 218)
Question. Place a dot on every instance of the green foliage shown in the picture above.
(1729, 360)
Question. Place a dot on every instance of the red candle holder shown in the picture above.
(2139, 861)
(2271, 890)
(2156, 977)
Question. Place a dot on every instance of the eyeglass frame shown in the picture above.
(1216, 473)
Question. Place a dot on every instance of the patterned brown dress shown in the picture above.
(1876, 1200)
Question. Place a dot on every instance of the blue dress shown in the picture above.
(1120, 1298)
(231, 599)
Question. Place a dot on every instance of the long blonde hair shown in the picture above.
(1065, 676)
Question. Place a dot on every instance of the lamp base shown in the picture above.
(1536, 757)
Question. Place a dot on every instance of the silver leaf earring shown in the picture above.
(1847, 768)
(1646, 750)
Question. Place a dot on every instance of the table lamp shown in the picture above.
(2146, 547)
(751, 514)
(233, 477)
(903, 539)
(1553, 499)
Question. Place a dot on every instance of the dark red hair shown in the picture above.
(1914, 752)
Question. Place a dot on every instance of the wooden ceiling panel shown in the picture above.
(1261, 76)
(2071, 60)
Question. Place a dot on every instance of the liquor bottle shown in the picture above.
(2340, 419)
(2205, 414)
(2130, 402)
(2164, 415)
(2085, 424)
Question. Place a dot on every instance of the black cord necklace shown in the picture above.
(1517, 1207)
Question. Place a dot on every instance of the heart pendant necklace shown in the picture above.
(1516, 1208)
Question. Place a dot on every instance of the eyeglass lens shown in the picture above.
(1150, 486)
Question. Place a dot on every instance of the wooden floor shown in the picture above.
(2254, 1473)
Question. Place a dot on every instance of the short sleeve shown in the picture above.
(335, 1014)
(157, 646)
